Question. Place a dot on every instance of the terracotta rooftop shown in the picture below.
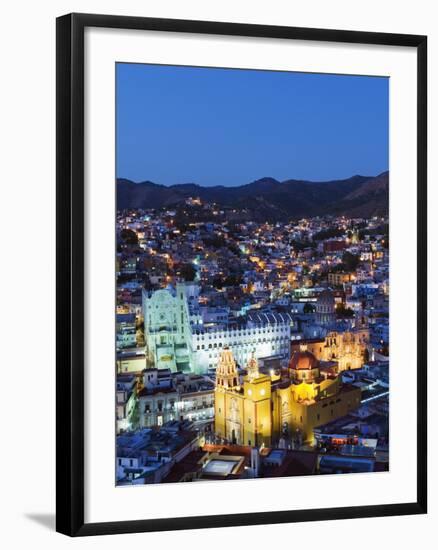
(192, 463)
(295, 463)
(303, 360)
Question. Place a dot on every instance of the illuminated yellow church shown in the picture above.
(264, 409)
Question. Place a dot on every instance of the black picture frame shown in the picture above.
(70, 273)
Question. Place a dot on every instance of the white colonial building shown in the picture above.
(178, 337)
(167, 329)
(168, 396)
(265, 335)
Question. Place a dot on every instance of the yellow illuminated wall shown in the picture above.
(259, 412)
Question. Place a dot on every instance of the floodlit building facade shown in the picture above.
(264, 410)
(178, 337)
(167, 329)
(349, 349)
(165, 396)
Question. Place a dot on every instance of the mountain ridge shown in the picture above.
(357, 196)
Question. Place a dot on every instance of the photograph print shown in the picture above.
(252, 274)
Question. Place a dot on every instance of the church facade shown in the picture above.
(349, 349)
(262, 409)
(167, 329)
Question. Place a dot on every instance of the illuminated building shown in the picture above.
(264, 334)
(181, 336)
(242, 413)
(325, 308)
(333, 245)
(146, 456)
(349, 349)
(125, 331)
(260, 410)
(338, 278)
(125, 401)
(167, 329)
(315, 396)
(130, 362)
(167, 396)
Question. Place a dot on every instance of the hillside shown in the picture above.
(267, 198)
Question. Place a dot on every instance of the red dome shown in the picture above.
(303, 360)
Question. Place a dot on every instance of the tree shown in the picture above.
(308, 308)
(218, 282)
(342, 311)
(232, 247)
(328, 234)
(298, 245)
(129, 236)
(147, 283)
(234, 279)
(384, 350)
(126, 277)
(214, 241)
(350, 261)
(187, 272)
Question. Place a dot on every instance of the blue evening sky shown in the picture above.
(231, 127)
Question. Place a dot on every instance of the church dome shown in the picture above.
(303, 360)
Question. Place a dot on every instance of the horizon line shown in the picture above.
(250, 182)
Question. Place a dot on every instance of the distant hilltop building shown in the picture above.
(177, 338)
(193, 201)
(264, 409)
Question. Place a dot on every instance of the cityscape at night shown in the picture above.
(252, 315)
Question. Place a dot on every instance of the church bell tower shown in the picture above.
(227, 377)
